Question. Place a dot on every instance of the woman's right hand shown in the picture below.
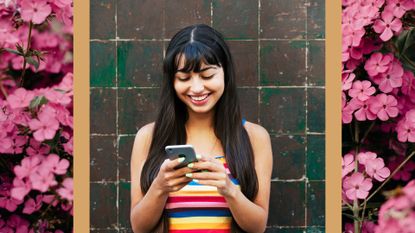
(170, 179)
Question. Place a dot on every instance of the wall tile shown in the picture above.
(103, 101)
(124, 204)
(103, 158)
(282, 63)
(125, 148)
(315, 110)
(248, 99)
(102, 71)
(182, 13)
(140, 19)
(316, 203)
(287, 198)
(103, 205)
(316, 19)
(140, 63)
(102, 19)
(137, 107)
(289, 157)
(236, 19)
(282, 110)
(315, 157)
(316, 63)
(282, 19)
(245, 57)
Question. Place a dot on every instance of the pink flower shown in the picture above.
(55, 165)
(384, 106)
(365, 156)
(391, 79)
(362, 90)
(28, 166)
(398, 7)
(376, 168)
(20, 98)
(20, 189)
(68, 147)
(32, 205)
(347, 116)
(35, 10)
(356, 33)
(387, 25)
(378, 63)
(363, 113)
(347, 164)
(5, 142)
(356, 186)
(42, 179)
(67, 190)
(347, 79)
(8, 202)
(404, 173)
(406, 131)
(408, 84)
(45, 126)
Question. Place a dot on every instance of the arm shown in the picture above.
(147, 209)
(250, 216)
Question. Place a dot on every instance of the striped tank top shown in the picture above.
(199, 208)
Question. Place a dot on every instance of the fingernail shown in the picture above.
(189, 175)
(194, 180)
(190, 165)
(181, 159)
(198, 156)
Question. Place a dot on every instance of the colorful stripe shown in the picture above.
(199, 208)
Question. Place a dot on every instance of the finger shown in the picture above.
(174, 163)
(179, 181)
(216, 183)
(181, 172)
(211, 166)
(207, 175)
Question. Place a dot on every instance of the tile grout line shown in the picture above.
(306, 118)
(259, 62)
(211, 13)
(117, 149)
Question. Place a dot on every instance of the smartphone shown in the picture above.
(178, 151)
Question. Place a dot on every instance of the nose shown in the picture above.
(197, 84)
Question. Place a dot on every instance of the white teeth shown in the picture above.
(199, 98)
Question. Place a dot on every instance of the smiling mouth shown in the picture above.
(199, 98)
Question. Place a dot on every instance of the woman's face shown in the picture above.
(199, 91)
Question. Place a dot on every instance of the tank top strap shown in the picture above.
(243, 121)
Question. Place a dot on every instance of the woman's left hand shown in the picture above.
(213, 174)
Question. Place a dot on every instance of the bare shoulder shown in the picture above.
(256, 132)
(143, 140)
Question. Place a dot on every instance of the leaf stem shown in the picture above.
(26, 53)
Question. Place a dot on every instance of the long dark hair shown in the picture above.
(201, 43)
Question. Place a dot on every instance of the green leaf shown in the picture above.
(13, 51)
(19, 48)
(33, 62)
(37, 102)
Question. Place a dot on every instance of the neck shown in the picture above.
(200, 122)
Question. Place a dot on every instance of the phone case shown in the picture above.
(186, 151)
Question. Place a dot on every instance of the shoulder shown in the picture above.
(256, 132)
(260, 141)
(145, 132)
(142, 140)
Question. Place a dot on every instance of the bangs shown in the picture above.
(194, 54)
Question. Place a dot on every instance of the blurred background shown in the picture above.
(278, 49)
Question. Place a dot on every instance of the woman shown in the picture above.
(199, 106)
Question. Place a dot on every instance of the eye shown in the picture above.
(208, 77)
(183, 79)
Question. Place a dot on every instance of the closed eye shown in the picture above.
(208, 77)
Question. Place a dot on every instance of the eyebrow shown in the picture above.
(201, 70)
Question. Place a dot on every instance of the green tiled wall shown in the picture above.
(278, 50)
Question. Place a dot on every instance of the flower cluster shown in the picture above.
(397, 215)
(364, 168)
(36, 116)
(378, 104)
